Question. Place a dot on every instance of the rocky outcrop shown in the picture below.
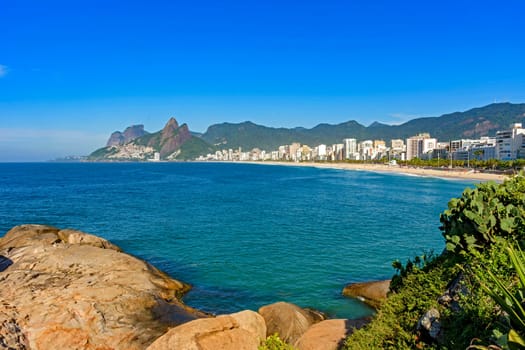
(372, 293)
(172, 137)
(135, 144)
(240, 331)
(131, 133)
(328, 334)
(429, 326)
(288, 320)
(64, 289)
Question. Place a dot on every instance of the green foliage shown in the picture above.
(151, 140)
(394, 326)
(273, 342)
(193, 148)
(509, 166)
(412, 265)
(509, 294)
(483, 214)
(477, 228)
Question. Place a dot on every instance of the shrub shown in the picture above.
(485, 213)
(273, 342)
(509, 295)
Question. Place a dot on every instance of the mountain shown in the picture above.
(130, 134)
(177, 142)
(483, 121)
(249, 135)
(173, 142)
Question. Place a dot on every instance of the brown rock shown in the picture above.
(372, 293)
(70, 290)
(79, 237)
(241, 331)
(11, 335)
(172, 137)
(328, 334)
(288, 320)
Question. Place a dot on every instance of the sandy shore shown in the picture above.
(442, 173)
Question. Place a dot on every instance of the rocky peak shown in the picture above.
(173, 137)
(115, 139)
(171, 125)
(131, 133)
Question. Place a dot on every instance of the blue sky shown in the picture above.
(72, 72)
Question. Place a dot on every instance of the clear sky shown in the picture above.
(72, 72)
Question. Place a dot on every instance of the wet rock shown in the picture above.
(372, 293)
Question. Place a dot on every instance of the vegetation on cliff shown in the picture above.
(468, 309)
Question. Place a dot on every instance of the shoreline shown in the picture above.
(446, 173)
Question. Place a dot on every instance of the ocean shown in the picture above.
(244, 235)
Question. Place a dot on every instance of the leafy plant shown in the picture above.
(482, 214)
(273, 342)
(416, 264)
(510, 301)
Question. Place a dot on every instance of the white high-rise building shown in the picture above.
(350, 148)
(510, 144)
(321, 152)
(366, 149)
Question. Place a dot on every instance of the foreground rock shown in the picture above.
(372, 293)
(328, 334)
(241, 331)
(288, 320)
(64, 289)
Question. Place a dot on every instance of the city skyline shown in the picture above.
(72, 73)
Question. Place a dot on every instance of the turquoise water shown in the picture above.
(244, 235)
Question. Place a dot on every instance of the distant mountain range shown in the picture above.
(178, 143)
(474, 123)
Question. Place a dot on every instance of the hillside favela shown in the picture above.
(262, 175)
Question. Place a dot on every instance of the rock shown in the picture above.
(455, 290)
(172, 137)
(328, 334)
(429, 326)
(79, 237)
(241, 331)
(372, 293)
(131, 133)
(69, 290)
(11, 335)
(288, 320)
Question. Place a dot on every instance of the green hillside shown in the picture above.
(483, 121)
(193, 148)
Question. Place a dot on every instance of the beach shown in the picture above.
(455, 173)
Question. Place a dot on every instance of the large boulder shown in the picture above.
(288, 320)
(328, 334)
(241, 331)
(64, 289)
(372, 293)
